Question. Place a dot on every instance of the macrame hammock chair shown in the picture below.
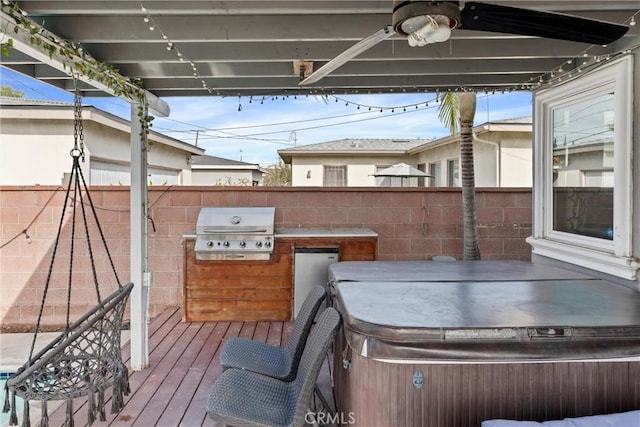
(86, 358)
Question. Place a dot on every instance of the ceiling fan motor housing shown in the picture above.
(403, 10)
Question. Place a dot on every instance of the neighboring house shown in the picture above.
(210, 170)
(347, 162)
(42, 133)
(502, 152)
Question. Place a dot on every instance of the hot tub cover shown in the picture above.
(492, 321)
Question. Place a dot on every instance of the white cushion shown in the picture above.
(623, 419)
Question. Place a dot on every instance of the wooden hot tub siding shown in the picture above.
(255, 290)
(382, 394)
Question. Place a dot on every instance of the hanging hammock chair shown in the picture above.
(85, 359)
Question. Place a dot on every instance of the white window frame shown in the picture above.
(457, 182)
(435, 180)
(606, 256)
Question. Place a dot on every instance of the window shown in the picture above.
(335, 176)
(422, 167)
(453, 173)
(435, 180)
(582, 179)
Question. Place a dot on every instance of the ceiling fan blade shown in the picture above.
(512, 20)
(346, 56)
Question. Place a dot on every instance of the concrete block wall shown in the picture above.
(412, 224)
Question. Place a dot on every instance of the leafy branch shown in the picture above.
(75, 60)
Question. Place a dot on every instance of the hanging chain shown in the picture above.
(78, 127)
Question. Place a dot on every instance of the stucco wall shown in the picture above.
(500, 160)
(47, 143)
(412, 224)
(308, 171)
(25, 143)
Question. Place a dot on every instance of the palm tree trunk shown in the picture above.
(471, 245)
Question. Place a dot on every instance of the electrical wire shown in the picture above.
(317, 127)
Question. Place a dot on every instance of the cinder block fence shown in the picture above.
(412, 224)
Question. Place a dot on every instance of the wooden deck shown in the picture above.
(183, 360)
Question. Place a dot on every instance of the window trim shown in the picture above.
(451, 179)
(610, 257)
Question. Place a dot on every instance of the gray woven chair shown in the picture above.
(244, 398)
(274, 361)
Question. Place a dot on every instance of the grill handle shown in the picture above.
(235, 230)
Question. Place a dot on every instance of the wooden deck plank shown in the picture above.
(286, 332)
(196, 414)
(275, 333)
(165, 392)
(183, 365)
(158, 329)
(262, 330)
(184, 394)
(160, 343)
(153, 383)
(248, 330)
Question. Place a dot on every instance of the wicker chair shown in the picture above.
(273, 361)
(245, 398)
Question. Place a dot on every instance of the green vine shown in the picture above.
(76, 60)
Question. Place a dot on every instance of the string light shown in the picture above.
(153, 25)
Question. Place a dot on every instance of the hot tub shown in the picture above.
(454, 353)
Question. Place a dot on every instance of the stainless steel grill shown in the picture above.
(235, 233)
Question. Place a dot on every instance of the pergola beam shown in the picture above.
(35, 45)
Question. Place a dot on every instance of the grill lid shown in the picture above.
(244, 233)
(236, 220)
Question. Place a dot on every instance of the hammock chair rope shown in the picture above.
(86, 358)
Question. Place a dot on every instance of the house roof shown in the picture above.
(515, 124)
(349, 146)
(212, 162)
(21, 108)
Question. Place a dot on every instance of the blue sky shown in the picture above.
(264, 125)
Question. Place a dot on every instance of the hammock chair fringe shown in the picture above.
(26, 420)
(7, 405)
(13, 418)
(103, 415)
(44, 415)
(68, 422)
(91, 403)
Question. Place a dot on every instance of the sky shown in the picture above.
(253, 129)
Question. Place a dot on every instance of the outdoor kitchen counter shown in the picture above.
(317, 232)
(261, 290)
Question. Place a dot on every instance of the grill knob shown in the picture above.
(259, 244)
(226, 244)
(209, 243)
(267, 244)
(243, 244)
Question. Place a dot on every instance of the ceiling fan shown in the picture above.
(426, 22)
